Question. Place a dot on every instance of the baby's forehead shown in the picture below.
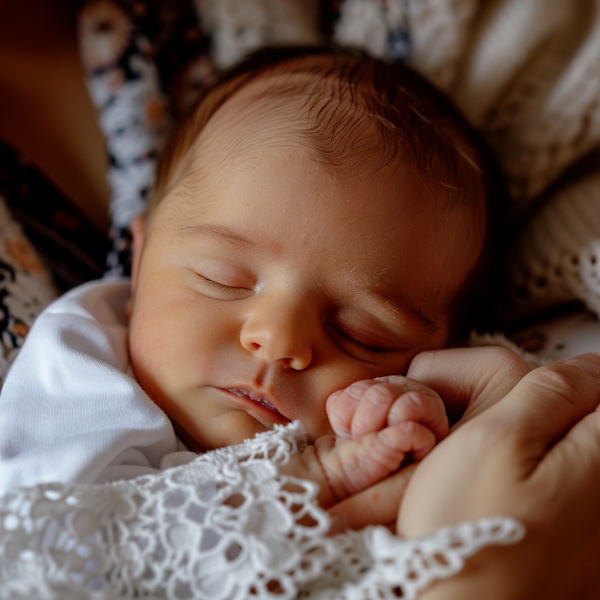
(295, 114)
(314, 113)
(351, 116)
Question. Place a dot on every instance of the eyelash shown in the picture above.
(229, 290)
(361, 345)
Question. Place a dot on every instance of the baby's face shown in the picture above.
(266, 282)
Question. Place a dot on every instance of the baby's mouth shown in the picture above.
(256, 398)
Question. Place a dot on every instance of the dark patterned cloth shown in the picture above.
(72, 250)
(46, 247)
(132, 52)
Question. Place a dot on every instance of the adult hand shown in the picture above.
(469, 380)
(534, 456)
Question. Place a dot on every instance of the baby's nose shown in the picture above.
(280, 334)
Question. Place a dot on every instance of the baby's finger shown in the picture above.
(341, 406)
(377, 505)
(372, 458)
(396, 400)
(372, 412)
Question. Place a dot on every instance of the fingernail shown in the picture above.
(589, 365)
(334, 395)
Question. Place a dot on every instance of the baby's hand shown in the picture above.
(376, 424)
(370, 405)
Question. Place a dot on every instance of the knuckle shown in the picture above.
(357, 390)
(379, 394)
(409, 428)
(562, 380)
(407, 401)
(412, 399)
(507, 359)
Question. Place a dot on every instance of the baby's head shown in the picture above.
(318, 220)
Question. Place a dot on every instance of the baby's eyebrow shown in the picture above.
(217, 232)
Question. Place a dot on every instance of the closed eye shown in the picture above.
(225, 291)
(348, 342)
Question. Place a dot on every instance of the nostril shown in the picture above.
(254, 346)
(299, 363)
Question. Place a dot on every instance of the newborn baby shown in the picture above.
(318, 221)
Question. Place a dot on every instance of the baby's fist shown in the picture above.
(372, 405)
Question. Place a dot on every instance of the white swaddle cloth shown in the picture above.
(71, 409)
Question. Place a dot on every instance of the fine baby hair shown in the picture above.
(358, 111)
(319, 220)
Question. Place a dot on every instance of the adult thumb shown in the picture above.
(547, 403)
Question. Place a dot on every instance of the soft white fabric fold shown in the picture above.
(80, 417)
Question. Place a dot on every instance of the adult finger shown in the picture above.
(469, 380)
(377, 505)
(547, 403)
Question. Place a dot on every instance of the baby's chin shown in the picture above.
(229, 429)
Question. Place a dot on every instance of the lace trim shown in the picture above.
(224, 526)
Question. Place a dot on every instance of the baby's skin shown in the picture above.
(377, 426)
(271, 283)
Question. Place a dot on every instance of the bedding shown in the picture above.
(524, 72)
(226, 525)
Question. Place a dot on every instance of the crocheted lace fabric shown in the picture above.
(224, 526)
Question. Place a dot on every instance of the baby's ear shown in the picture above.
(138, 226)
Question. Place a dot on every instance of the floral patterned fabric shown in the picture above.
(131, 50)
(25, 288)
(122, 49)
